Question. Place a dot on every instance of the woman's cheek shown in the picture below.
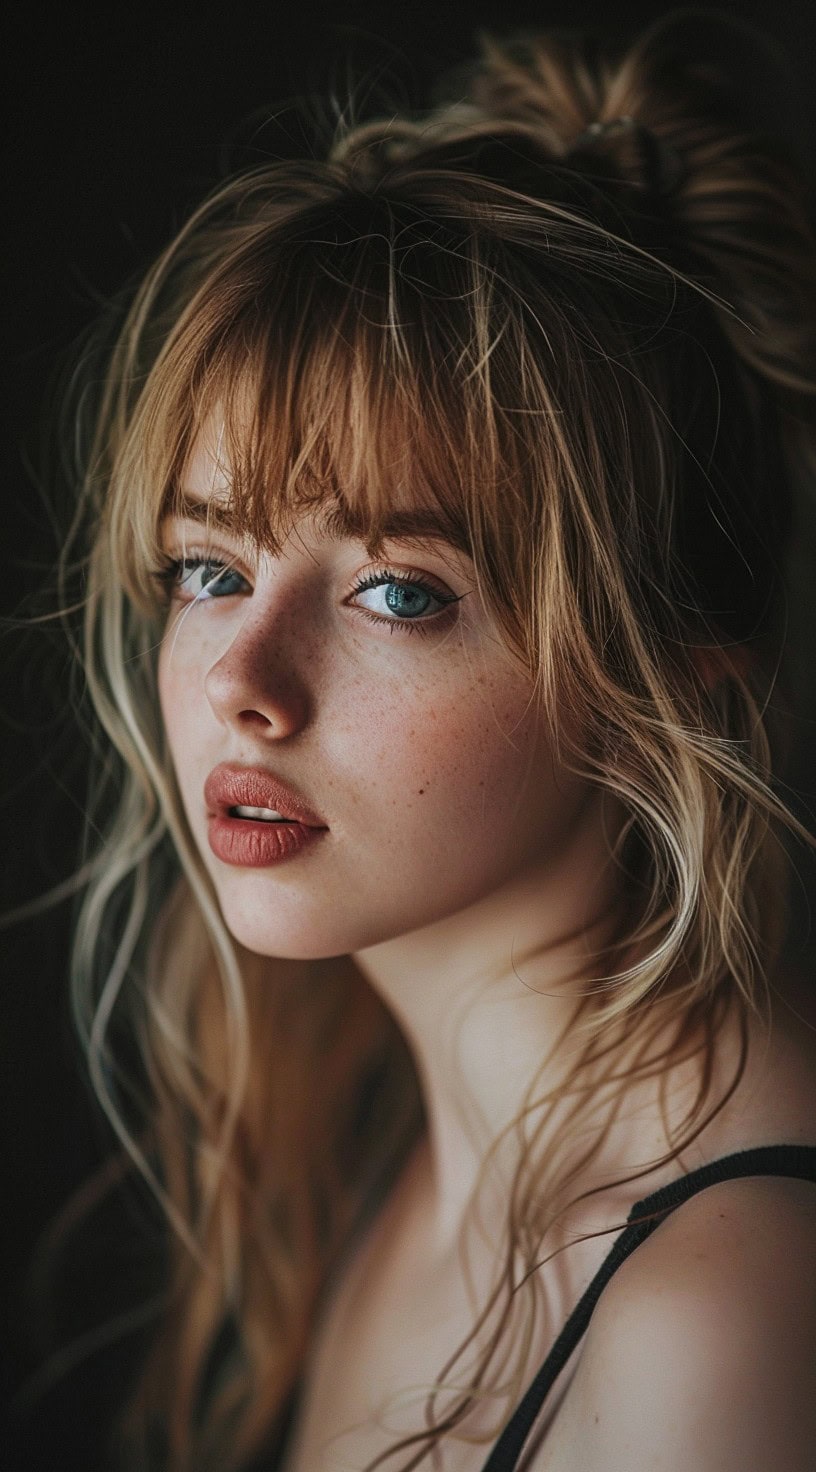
(179, 691)
(451, 752)
(189, 723)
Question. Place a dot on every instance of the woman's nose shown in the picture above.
(255, 684)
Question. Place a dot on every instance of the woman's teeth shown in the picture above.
(262, 815)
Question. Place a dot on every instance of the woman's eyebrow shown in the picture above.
(334, 521)
(204, 509)
(338, 522)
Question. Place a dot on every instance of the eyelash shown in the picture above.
(168, 576)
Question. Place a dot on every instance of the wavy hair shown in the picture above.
(570, 311)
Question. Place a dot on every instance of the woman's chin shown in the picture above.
(288, 943)
(293, 937)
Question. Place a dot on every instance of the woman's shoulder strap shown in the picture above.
(763, 1160)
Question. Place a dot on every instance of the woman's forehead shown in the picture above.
(207, 493)
(207, 470)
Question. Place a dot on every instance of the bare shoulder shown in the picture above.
(701, 1351)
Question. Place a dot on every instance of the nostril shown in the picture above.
(247, 690)
(254, 718)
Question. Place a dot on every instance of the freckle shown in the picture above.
(597, 1418)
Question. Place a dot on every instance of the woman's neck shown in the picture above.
(485, 999)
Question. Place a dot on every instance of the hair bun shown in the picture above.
(693, 116)
(661, 168)
(657, 111)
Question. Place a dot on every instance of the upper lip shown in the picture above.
(230, 786)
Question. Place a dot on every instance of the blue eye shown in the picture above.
(203, 578)
(407, 597)
(406, 601)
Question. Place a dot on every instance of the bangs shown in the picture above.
(313, 422)
(345, 370)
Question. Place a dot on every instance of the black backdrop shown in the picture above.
(117, 123)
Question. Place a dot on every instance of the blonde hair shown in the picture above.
(569, 311)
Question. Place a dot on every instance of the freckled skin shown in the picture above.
(508, 856)
(290, 677)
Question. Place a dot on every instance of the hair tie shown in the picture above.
(662, 165)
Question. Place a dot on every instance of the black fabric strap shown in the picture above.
(765, 1160)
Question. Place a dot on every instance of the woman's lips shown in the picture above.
(251, 842)
(230, 786)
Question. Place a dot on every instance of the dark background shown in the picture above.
(117, 122)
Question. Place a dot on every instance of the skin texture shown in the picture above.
(456, 846)
(468, 876)
(701, 1350)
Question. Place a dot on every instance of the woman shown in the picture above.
(440, 497)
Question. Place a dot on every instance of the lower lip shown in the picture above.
(254, 845)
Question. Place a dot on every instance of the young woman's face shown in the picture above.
(398, 718)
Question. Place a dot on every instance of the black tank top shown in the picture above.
(765, 1160)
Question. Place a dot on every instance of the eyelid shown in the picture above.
(376, 575)
(388, 568)
(217, 549)
(177, 548)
